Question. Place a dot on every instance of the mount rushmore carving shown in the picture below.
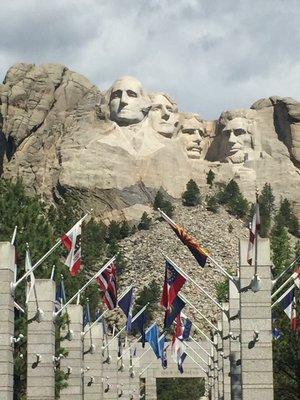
(114, 149)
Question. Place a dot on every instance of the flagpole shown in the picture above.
(124, 327)
(282, 286)
(202, 333)
(199, 312)
(52, 273)
(146, 351)
(39, 262)
(100, 317)
(282, 296)
(199, 365)
(14, 235)
(18, 307)
(286, 270)
(198, 286)
(223, 270)
(85, 286)
(145, 369)
(202, 359)
(199, 345)
(130, 346)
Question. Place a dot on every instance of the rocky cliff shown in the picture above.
(112, 150)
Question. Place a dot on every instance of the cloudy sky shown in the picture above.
(210, 55)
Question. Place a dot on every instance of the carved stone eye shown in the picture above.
(131, 93)
(116, 94)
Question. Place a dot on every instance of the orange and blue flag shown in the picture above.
(198, 251)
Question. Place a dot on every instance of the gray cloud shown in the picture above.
(208, 55)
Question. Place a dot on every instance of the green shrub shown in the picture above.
(210, 177)
(145, 222)
(212, 204)
(191, 197)
(163, 204)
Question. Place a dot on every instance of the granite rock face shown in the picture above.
(113, 150)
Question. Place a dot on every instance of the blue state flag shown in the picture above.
(86, 315)
(176, 308)
(152, 335)
(126, 303)
(60, 298)
(187, 326)
(138, 323)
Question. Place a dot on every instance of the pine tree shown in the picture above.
(238, 206)
(149, 294)
(163, 204)
(280, 244)
(210, 177)
(297, 249)
(191, 197)
(230, 192)
(266, 208)
(212, 204)
(145, 222)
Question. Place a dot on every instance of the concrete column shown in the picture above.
(225, 361)
(130, 383)
(257, 364)
(74, 360)
(151, 393)
(7, 262)
(220, 350)
(41, 341)
(234, 343)
(110, 371)
(94, 360)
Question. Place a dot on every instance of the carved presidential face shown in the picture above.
(163, 115)
(237, 140)
(128, 102)
(191, 134)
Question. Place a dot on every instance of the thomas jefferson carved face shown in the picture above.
(128, 102)
(237, 140)
(163, 115)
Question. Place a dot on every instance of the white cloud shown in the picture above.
(209, 55)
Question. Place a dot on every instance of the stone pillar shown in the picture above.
(94, 360)
(74, 360)
(257, 364)
(220, 351)
(41, 343)
(234, 343)
(151, 393)
(110, 371)
(225, 361)
(7, 262)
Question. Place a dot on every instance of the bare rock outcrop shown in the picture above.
(113, 150)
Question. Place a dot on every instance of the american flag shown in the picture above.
(108, 284)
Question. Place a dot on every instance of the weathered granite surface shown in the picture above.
(113, 150)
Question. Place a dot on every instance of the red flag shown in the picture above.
(253, 231)
(72, 242)
(296, 277)
(172, 285)
(108, 284)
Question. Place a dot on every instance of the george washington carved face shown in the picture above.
(128, 102)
